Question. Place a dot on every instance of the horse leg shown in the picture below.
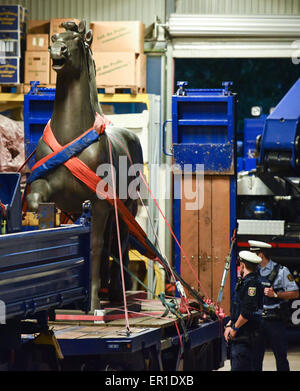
(115, 285)
(100, 214)
(104, 264)
(127, 277)
(39, 192)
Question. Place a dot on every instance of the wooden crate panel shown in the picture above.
(205, 223)
(220, 236)
(189, 234)
(205, 235)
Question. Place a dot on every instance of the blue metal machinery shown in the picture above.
(279, 148)
(203, 132)
(253, 127)
(269, 198)
(38, 108)
(203, 126)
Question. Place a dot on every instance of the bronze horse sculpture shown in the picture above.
(76, 107)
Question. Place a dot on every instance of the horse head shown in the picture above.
(70, 50)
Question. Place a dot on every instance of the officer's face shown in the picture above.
(242, 268)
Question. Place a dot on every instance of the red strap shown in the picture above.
(99, 125)
(59, 148)
(2, 206)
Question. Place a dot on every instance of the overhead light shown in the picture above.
(271, 110)
(256, 111)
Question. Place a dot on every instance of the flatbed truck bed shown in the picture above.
(152, 344)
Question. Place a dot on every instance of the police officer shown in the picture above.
(246, 307)
(279, 286)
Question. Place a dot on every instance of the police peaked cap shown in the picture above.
(249, 257)
(256, 245)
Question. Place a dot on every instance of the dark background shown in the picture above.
(257, 81)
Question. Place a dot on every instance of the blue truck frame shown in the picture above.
(45, 269)
(41, 269)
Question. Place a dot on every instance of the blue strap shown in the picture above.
(64, 155)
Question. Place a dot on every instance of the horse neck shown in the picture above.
(73, 111)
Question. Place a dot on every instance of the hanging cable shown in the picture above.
(184, 302)
(119, 236)
(172, 233)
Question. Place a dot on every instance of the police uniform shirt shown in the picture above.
(284, 282)
(247, 300)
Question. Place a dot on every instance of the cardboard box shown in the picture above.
(55, 23)
(12, 44)
(53, 74)
(37, 67)
(38, 27)
(119, 69)
(118, 36)
(12, 17)
(37, 42)
(11, 71)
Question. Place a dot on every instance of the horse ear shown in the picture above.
(54, 37)
(82, 27)
(89, 37)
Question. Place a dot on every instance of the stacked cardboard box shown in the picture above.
(38, 65)
(12, 43)
(118, 50)
(37, 58)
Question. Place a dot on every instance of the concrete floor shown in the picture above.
(269, 360)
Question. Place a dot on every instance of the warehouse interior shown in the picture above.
(207, 92)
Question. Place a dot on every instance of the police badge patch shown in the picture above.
(290, 277)
(251, 291)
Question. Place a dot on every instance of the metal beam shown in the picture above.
(234, 26)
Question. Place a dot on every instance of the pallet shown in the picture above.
(27, 87)
(134, 90)
(12, 88)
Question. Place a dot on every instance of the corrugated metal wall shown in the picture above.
(146, 10)
(91, 10)
(239, 7)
